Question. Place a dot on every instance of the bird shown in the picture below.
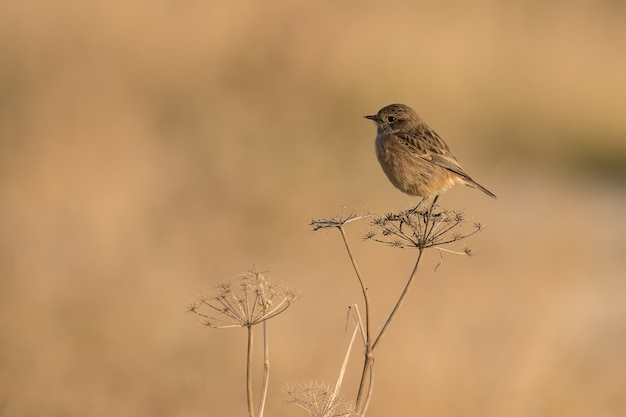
(415, 158)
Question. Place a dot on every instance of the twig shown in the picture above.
(249, 372)
(400, 300)
(266, 369)
(368, 360)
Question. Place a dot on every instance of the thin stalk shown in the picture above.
(370, 388)
(330, 404)
(367, 378)
(249, 372)
(400, 300)
(369, 359)
(358, 275)
(266, 369)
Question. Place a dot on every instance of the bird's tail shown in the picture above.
(474, 184)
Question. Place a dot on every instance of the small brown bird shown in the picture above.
(414, 158)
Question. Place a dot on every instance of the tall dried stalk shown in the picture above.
(246, 301)
(421, 227)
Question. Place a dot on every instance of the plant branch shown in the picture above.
(369, 360)
(249, 372)
(361, 283)
(266, 369)
(400, 300)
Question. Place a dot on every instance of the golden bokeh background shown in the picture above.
(151, 149)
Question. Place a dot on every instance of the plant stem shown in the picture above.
(400, 300)
(249, 372)
(266, 369)
(367, 378)
(368, 362)
(370, 388)
(363, 287)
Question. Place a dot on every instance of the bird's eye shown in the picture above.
(391, 119)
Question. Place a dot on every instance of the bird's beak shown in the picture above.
(372, 117)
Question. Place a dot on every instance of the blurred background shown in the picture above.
(152, 149)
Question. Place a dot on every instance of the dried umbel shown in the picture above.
(420, 227)
(319, 400)
(244, 301)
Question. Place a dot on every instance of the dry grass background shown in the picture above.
(149, 150)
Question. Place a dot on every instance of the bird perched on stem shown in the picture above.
(414, 158)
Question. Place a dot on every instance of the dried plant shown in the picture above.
(319, 400)
(250, 299)
(246, 301)
(421, 227)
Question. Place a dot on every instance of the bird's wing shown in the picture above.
(427, 145)
(423, 140)
(448, 162)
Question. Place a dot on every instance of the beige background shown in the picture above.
(151, 149)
